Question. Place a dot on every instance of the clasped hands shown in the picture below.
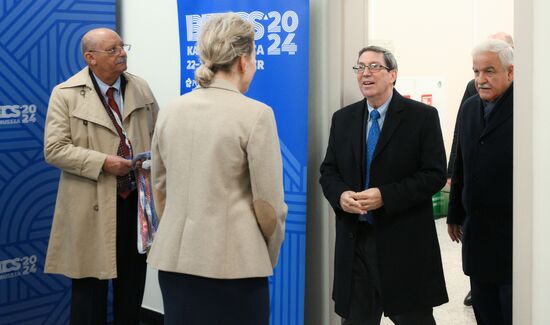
(361, 202)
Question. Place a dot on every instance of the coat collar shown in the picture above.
(393, 118)
(81, 78)
(222, 84)
(91, 108)
(358, 127)
(502, 111)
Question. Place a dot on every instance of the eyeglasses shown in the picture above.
(373, 67)
(115, 50)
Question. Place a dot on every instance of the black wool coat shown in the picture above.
(481, 198)
(409, 166)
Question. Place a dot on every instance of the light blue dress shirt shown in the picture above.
(382, 110)
(103, 87)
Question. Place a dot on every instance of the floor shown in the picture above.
(454, 312)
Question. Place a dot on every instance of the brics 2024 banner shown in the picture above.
(281, 81)
(39, 48)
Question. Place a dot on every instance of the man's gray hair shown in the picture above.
(389, 59)
(504, 50)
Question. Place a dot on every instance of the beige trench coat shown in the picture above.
(78, 137)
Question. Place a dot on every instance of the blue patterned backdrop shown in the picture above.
(39, 48)
(281, 81)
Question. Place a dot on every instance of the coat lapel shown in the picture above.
(473, 120)
(501, 113)
(357, 128)
(90, 107)
(391, 122)
(133, 98)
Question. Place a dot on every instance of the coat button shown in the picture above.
(482, 142)
(350, 235)
(96, 208)
(85, 122)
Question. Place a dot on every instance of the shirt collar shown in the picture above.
(104, 87)
(382, 109)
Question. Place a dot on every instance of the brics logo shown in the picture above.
(17, 114)
(278, 27)
(14, 267)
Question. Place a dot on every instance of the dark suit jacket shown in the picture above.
(408, 167)
(481, 189)
(468, 92)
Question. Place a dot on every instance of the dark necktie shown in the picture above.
(487, 111)
(124, 183)
(372, 139)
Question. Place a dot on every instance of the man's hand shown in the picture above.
(349, 204)
(117, 165)
(369, 199)
(455, 232)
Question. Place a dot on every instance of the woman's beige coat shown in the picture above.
(78, 136)
(217, 158)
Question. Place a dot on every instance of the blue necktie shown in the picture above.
(372, 139)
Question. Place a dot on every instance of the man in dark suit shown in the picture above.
(385, 159)
(480, 205)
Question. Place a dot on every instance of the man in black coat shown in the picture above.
(480, 205)
(387, 257)
(469, 92)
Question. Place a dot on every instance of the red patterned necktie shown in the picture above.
(124, 183)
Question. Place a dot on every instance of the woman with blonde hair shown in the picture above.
(217, 179)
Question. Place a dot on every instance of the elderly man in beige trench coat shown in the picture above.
(91, 132)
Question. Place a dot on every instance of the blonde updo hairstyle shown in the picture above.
(222, 40)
